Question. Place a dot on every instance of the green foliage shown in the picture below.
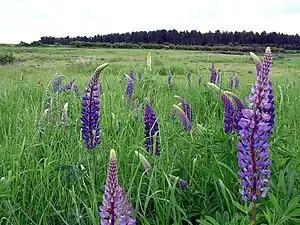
(7, 58)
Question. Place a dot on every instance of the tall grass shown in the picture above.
(49, 178)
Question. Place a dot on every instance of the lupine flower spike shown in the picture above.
(129, 90)
(172, 114)
(66, 87)
(184, 119)
(180, 182)
(213, 76)
(186, 107)
(230, 82)
(253, 155)
(229, 113)
(90, 113)
(236, 81)
(144, 161)
(151, 130)
(115, 208)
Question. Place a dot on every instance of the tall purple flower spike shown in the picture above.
(129, 90)
(186, 107)
(68, 86)
(214, 75)
(186, 124)
(90, 113)
(151, 129)
(115, 208)
(229, 114)
(255, 123)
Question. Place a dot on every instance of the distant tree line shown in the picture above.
(172, 39)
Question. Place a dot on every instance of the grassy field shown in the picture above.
(48, 178)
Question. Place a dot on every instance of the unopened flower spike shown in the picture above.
(144, 161)
(129, 90)
(115, 208)
(180, 182)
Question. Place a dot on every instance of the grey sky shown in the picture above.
(28, 20)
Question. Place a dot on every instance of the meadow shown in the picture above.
(47, 176)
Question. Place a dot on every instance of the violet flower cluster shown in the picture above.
(90, 113)
(256, 125)
(213, 76)
(229, 113)
(115, 208)
(129, 90)
(151, 130)
(186, 107)
(66, 87)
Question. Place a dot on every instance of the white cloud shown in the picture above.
(28, 20)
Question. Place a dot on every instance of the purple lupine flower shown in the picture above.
(151, 129)
(90, 112)
(57, 79)
(140, 75)
(169, 78)
(230, 82)
(144, 161)
(253, 155)
(129, 90)
(131, 74)
(66, 87)
(75, 89)
(180, 182)
(229, 113)
(115, 208)
(236, 81)
(172, 114)
(186, 124)
(186, 107)
(213, 76)
(238, 114)
(136, 109)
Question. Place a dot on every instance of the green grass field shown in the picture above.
(49, 178)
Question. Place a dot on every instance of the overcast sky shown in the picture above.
(28, 20)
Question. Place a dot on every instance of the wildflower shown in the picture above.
(149, 61)
(186, 107)
(181, 183)
(236, 81)
(129, 90)
(229, 114)
(184, 119)
(172, 114)
(90, 113)
(151, 129)
(115, 208)
(144, 161)
(213, 76)
(56, 82)
(68, 86)
(253, 155)
(230, 82)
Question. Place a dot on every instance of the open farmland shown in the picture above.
(49, 176)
